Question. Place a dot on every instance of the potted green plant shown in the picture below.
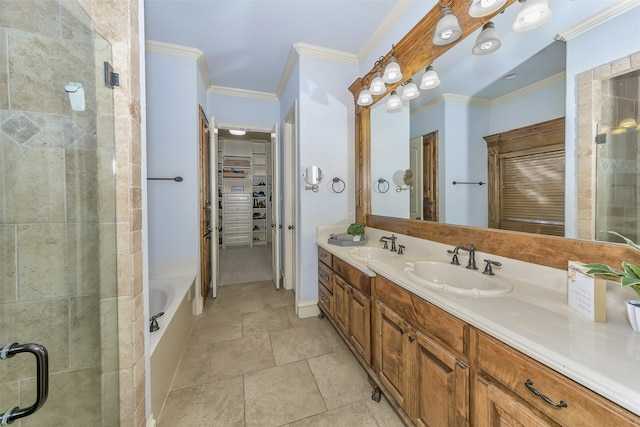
(356, 230)
(629, 275)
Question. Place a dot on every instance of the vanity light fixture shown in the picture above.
(430, 79)
(448, 28)
(238, 132)
(532, 14)
(392, 72)
(488, 40)
(480, 8)
(629, 123)
(365, 98)
(378, 86)
(394, 102)
(618, 131)
(409, 90)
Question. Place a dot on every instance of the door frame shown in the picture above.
(289, 198)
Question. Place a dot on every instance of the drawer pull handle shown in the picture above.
(324, 298)
(412, 338)
(403, 331)
(529, 384)
(323, 255)
(324, 276)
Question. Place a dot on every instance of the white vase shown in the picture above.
(633, 312)
(357, 238)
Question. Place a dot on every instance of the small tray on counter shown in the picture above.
(341, 242)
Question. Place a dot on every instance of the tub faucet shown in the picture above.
(154, 322)
(393, 242)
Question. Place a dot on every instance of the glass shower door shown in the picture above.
(57, 217)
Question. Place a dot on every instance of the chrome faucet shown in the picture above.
(154, 322)
(393, 242)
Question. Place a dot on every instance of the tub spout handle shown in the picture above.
(154, 322)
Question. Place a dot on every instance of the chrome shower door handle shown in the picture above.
(42, 379)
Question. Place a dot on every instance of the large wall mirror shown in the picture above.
(521, 84)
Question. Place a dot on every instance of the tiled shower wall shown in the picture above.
(617, 160)
(590, 101)
(57, 219)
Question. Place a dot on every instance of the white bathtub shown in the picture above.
(174, 297)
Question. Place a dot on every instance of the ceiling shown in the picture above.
(246, 43)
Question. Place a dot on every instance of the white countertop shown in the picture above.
(534, 319)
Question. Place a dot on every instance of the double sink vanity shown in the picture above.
(451, 346)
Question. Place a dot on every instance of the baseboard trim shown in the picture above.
(307, 309)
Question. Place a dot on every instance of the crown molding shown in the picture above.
(463, 99)
(229, 91)
(304, 49)
(611, 12)
(527, 89)
(388, 23)
(181, 52)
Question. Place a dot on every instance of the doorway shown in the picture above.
(245, 204)
(424, 191)
(290, 200)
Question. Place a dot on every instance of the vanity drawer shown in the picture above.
(352, 276)
(512, 368)
(325, 256)
(325, 300)
(325, 276)
(447, 329)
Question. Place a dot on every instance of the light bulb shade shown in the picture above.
(392, 72)
(430, 79)
(410, 90)
(365, 98)
(532, 14)
(488, 40)
(394, 102)
(378, 87)
(618, 131)
(448, 28)
(629, 123)
(480, 8)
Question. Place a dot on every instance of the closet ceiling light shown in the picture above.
(480, 8)
(430, 79)
(532, 14)
(392, 72)
(488, 40)
(378, 87)
(394, 102)
(365, 97)
(238, 132)
(448, 28)
(409, 90)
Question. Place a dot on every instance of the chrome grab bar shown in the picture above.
(42, 379)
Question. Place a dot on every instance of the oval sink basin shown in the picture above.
(366, 253)
(454, 279)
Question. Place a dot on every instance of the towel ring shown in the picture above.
(383, 185)
(336, 183)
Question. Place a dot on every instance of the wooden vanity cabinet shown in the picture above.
(349, 305)
(420, 357)
(504, 393)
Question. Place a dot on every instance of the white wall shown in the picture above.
(606, 43)
(248, 111)
(172, 150)
(326, 115)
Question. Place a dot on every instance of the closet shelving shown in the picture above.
(260, 193)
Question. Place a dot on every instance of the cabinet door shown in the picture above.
(441, 387)
(341, 303)
(497, 408)
(392, 353)
(360, 323)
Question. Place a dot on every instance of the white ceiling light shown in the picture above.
(488, 40)
(480, 8)
(409, 90)
(378, 87)
(430, 79)
(394, 102)
(532, 14)
(365, 98)
(238, 132)
(448, 28)
(392, 72)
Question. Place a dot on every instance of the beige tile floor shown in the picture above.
(250, 361)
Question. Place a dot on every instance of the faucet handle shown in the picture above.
(454, 260)
(401, 249)
(487, 268)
